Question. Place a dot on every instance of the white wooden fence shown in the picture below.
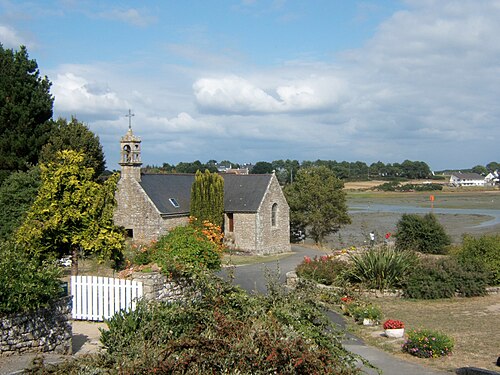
(98, 298)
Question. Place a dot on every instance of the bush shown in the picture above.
(364, 311)
(186, 251)
(381, 268)
(482, 253)
(425, 343)
(421, 233)
(444, 278)
(396, 186)
(324, 270)
(224, 331)
(26, 284)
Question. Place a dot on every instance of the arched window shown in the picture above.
(274, 213)
(126, 153)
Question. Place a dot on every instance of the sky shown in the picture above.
(255, 80)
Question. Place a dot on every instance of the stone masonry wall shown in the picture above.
(273, 239)
(136, 211)
(243, 236)
(253, 232)
(44, 330)
(158, 287)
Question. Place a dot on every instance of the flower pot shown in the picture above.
(395, 332)
(368, 322)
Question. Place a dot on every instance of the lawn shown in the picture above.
(239, 260)
(474, 324)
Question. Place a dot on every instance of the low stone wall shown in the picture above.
(44, 330)
(292, 279)
(159, 287)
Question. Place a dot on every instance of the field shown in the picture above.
(382, 222)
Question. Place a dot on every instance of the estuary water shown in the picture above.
(399, 209)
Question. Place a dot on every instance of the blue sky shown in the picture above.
(251, 80)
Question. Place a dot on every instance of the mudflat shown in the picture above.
(456, 223)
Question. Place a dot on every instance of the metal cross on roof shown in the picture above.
(130, 115)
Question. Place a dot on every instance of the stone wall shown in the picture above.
(44, 330)
(273, 239)
(292, 280)
(243, 236)
(158, 287)
(253, 232)
(136, 211)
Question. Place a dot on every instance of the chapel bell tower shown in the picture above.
(130, 154)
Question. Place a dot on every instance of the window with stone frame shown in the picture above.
(274, 214)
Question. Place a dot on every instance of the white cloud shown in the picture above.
(76, 95)
(10, 38)
(233, 94)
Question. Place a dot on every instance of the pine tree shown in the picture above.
(207, 197)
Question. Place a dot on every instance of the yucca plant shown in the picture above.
(381, 268)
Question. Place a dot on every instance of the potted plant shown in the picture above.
(369, 314)
(394, 328)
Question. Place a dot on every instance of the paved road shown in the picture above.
(252, 278)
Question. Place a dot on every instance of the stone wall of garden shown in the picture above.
(44, 330)
(292, 279)
(158, 287)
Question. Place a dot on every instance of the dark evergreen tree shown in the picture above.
(74, 135)
(17, 194)
(25, 108)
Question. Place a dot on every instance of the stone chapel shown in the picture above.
(256, 214)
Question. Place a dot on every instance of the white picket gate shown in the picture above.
(98, 298)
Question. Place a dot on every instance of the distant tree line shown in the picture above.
(286, 169)
(348, 171)
(479, 169)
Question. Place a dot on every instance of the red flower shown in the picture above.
(307, 259)
(393, 324)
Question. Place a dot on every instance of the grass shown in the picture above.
(472, 322)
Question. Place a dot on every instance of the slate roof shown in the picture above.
(161, 187)
(242, 193)
(468, 176)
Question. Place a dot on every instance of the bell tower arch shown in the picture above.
(130, 153)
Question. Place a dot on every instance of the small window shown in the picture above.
(129, 233)
(173, 202)
(230, 220)
(274, 212)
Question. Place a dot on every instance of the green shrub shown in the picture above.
(185, 251)
(26, 284)
(396, 186)
(324, 270)
(224, 331)
(444, 278)
(364, 311)
(381, 268)
(421, 233)
(482, 253)
(425, 343)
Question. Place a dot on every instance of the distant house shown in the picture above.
(492, 179)
(256, 217)
(466, 179)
